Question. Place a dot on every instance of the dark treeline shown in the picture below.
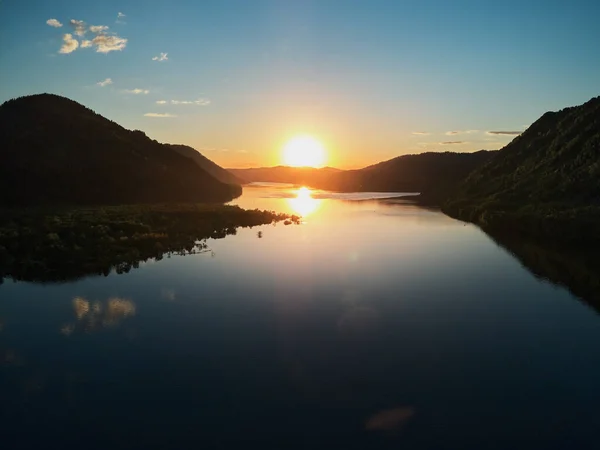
(56, 151)
(64, 244)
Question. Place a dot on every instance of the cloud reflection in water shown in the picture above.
(92, 316)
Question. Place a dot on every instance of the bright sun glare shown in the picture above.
(304, 204)
(304, 151)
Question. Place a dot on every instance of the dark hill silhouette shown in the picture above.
(223, 175)
(434, 175)
(544, 180)
(309, 176)
(56, 151)
(431, 174)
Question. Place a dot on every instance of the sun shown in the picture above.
(304, 151)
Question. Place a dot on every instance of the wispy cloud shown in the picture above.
(54, 23)
(162, 57)
(70, 44)
(85, 43)
(452, 142)
(98, 28)
(159, 115)
(106, 44)
(421, 133)
(454, 133)
(136, 91)
(161, 102)
(508, 133)
(79, 27)
(199, 102)
(105, 82)
(120, 18)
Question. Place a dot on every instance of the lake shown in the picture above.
(373, 324)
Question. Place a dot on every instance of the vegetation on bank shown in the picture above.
(53, 245)
(546, 181)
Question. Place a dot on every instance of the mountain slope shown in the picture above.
(56, 151)
(431, 174)
(223, 175)
(549, 175)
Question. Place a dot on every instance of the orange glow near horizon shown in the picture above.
(304, 151)
(303, 204)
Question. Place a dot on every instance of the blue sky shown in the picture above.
(370, 79)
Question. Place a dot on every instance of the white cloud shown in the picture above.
(105, 44)
(421, 133)
(454, 133)
(136, 91)
(162, 57)
(199, 102)
(98, 28)
(161, 102)
(70, 44)
(85, 43)
(54, 23)
(120, 17)
(79, 26)
(105, 82)
(159, 115)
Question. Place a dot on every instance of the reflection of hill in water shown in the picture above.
(576, 269)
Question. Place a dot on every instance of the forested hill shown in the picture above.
(545, 182)
(551, 169)
(209, 166)
(56, 151)
(434, 175)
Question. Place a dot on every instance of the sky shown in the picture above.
(371, 80)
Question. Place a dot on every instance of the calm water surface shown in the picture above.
(374, 324)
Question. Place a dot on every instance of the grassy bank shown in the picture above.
(63, 244)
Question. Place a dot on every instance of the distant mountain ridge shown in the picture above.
(434, 175)
(56, 151)
(285, 174)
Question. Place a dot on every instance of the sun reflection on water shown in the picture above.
(304, 204)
